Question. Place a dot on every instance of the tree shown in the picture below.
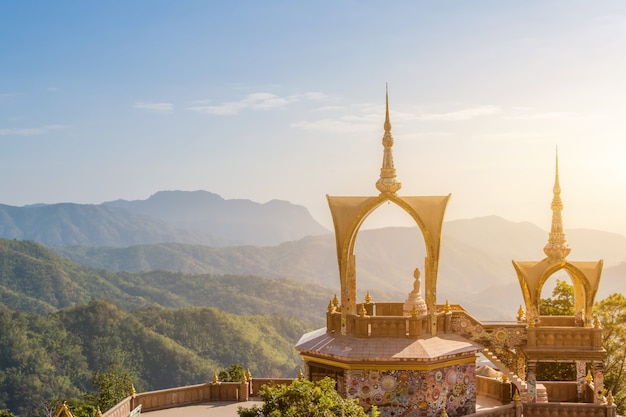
(561, 303)
(304, 398)
(612, 314)
(111, 386)
(233, 374)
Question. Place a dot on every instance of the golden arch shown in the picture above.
(585, 277)
(348, 215)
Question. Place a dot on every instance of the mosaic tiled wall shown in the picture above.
(416, 393)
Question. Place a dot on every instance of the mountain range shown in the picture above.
(195, 233)
(196, 217)
(475, 262)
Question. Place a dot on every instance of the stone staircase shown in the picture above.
(522, 386)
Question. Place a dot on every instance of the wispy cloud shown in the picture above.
(372, 116)
(155, 107)
(29, 131)
(553, 115)
(460, 115)
(515, 136)
(53, 89)
(254, 101)
(5, 97)
(345, 124)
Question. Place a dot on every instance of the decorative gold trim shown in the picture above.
(409, 366)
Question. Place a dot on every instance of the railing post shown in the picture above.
(505, 391)
(242, 393)
(519, 408)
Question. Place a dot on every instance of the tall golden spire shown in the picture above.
(556, 248)
(387, 182)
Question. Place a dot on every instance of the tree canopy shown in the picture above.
(304, 398)
(561, 303)
(612, 315)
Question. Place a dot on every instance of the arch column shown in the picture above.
(349, 213)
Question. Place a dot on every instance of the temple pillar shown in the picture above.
(581, 373)
(598, 381)
(531, 379)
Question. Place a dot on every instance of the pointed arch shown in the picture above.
(348, 215)
(585, 277)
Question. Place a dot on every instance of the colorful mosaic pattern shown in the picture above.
(400, 393)
(501, 336)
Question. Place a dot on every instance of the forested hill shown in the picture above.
(47, 359)
(61, 322)
(34, 279)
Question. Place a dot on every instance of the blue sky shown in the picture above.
(285, 100)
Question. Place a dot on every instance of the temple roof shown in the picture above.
(422, 351)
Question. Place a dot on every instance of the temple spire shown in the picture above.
(387, 182)
(556, 248)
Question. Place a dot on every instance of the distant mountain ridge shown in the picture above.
(238, 220)
(475, 262)
(36, 280)
(197, 217)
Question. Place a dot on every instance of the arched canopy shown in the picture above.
(585, 277)
(348, 215)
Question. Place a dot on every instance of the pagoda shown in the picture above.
(401, 357)
(574, 339)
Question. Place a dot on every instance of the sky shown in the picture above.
(285, 100)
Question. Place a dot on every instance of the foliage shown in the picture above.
(612, 314)
(36, 364)
(561, 303)
(33, 279)
(79, 352)
(112, 386)
(264, 344)
(303, 398)
(233, 374)
(556, 371)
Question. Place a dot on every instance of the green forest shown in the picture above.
(47, 359)
(66, 331)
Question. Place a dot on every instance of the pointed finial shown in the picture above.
(520, 313)
(331, 307)
(132, 389)
(556, 248)
(368, 297)
(444, 412)
(335, 301)
(248, 375)
(363, 311)
(596, 322)
(609, 398)
(64, 410)
(588, 378)
(516, 397)
(387, 182)
(387, 125)
(300, 375)
(215, 378)
(98, 412)
(446, 307)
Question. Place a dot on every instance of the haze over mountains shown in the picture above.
(195, 232)
(197, 217)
